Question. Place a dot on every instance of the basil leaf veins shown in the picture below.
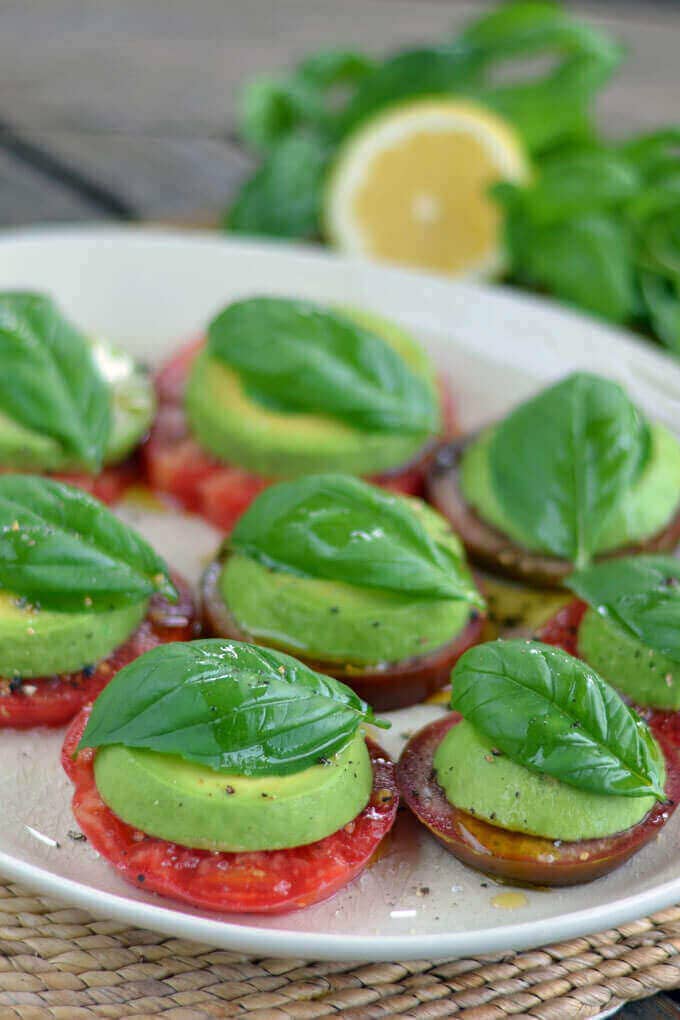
(227, 705)
(553, 714)
(49, 382)
(342, 529)
(641, 594)
(65, 550)
(299, 357)
(561, 462)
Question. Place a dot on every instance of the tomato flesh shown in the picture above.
(54, 700)
(178, 466)
(517, 856)
(270, 881)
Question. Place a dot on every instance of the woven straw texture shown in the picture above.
(58, 963)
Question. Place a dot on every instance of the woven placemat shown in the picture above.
(59, 963)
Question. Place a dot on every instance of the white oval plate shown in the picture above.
(152, 289)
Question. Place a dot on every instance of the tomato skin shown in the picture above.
(177, 465)
(516, 856)
(58, 698)
(255, 882)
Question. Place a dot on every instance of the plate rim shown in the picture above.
(517, 935)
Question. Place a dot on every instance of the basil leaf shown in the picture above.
(229, 706)
(49, 382)
(641, 594)
(661, 297)
(283, 197)
(300, 357)
(65, 550)
(341, 529)
(553, 714)
(561, 462)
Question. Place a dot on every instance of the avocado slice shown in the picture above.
(645, 509)
(488, 785)
(173, 799)
(133, 405)
(246, 433)
(39, 642)
(334, 622)
(645, 675)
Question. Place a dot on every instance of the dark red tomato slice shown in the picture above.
(270, 881)
(178, 466)
(528, 860)
(54, 700)
(111, 484)
(562, 628)
(385, 687)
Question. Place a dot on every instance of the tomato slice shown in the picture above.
(177, 465)
(516, 856)
(111, 484)
(562, 628)
(54, 700)
(270, 881)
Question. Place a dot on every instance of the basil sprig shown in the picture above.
(296, 356)
(561, 462)
(65, 550)
(641, 594)
(49, 381)
(553, 714)
(342, 529)
(230, 706)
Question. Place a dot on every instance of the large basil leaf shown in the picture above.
(65, 550)
(561, 462)
(641, 594)
(299, 357)
(49, 381)
(342, 529)
(230, 706)
(553, 714)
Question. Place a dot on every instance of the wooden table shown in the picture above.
(124, 109)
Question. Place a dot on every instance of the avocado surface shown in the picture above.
(133, 405)
(336, 622)
(40, 642)
(645, 509)
(173, 799)
(506, 794)
(246, 433)
(647, 677)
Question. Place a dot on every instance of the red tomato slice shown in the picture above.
(54, 700)
(562, 628)
(111, 484)
(178, 466)
(261, 882)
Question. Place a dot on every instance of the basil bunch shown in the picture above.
(341, 529)
(63, 549)
(296, 356)
(641, 594)
(298, 120)
(230, 706)
(553, 714)
(49, 381)
(561, 462)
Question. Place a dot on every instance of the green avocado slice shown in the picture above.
(243, 432)
(646, 509)
(335, 622)
(39, 642)
(133, 405)
(492, 787)
(650, 678)
(173, 799)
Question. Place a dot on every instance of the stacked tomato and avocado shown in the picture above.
(283, 388)
(70, 405)
(574, 474)
(625, 622)
(542, 774)
(230, 777)
(81, 595)
(367, 585)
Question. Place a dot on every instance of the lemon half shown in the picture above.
(412, 186)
